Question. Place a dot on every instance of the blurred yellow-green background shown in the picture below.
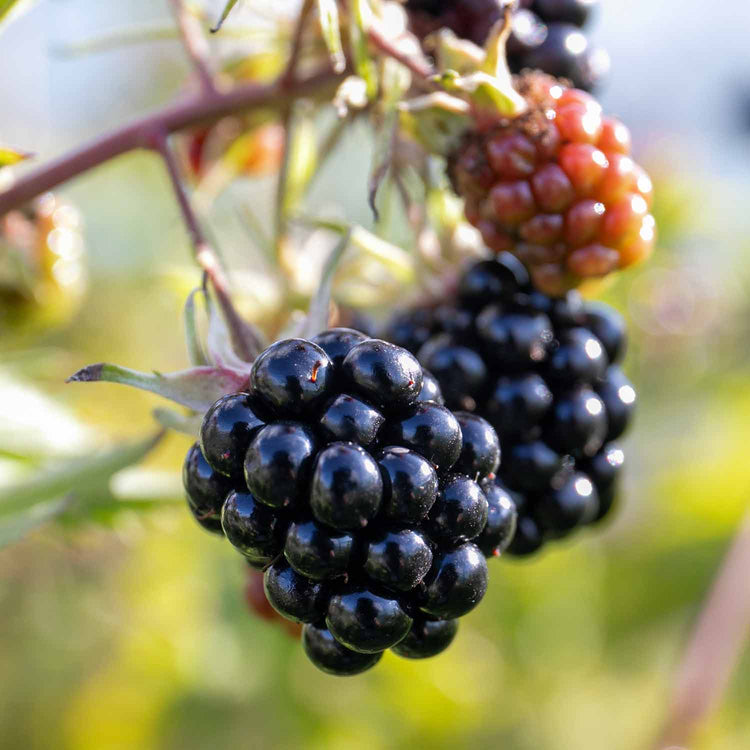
(128, 629)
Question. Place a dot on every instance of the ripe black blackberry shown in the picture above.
(544, 372)
(546, 34)
(342, 476)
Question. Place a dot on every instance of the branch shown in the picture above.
(289, 75)
(244, 339)
(195, 44)
(418, 66)
(714, 647)
(145, 132)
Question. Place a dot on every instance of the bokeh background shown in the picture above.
(128, 629)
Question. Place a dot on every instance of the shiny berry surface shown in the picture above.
(398, 558)
(459, 513)
(480, 451)
(427, 638)
(226, 431)
(316, 551)
(383, 373)
(431, 390)
(410, 484)
(252, 528)
(502, 517)
(579, 357)
(338, 342)
(619, 398)
(576, 12)
(609, 327)
(292, 375)
(347, 488)
(456, 583)
(431, 430)
(577, 423)
(350, 419)
(366, 622)
(205, 489)
(328, 655)
(518, 404)
(574, 502)
(294, 596)
(279, 461)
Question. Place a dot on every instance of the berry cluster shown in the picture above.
(546, 34)
(343, 476)
(557, 187)
(545, 373)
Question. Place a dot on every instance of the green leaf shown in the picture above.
(196, 353)
(74, 478)
(223, 17)
(196, 388)
(436, 121)
(17, 526)
(329, 23)
(10, 156)
(188, 424)
(317, 318)
(302, 161)
(363, 63)
(10, 8)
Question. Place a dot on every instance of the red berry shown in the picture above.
(495, 239)
(615, 137)
(623, 221)
(619, 179)
(542, 229)
(583, 222)
(512, 155)
(552, 188)
(593, 260)
(584, 165)
(512, 202)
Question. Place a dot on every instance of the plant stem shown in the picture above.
(245, 341)
(289, 76)
(195, 44)
(145, 132)
(714, 646)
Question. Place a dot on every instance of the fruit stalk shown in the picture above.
(194, 43)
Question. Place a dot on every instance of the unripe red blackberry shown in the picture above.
(551, 388)
(557, 187)
(357, 492)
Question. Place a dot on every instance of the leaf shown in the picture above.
(363, 63)
(11, 8)
(188, 424)
(397, 260)
(436, 121)
(10, 156)
(223, 17)
(382, 158)
(222, 341)
(329, 23)
(196, 353)
(317, 318)
(76, 477)
(301, 162)
(454, 53)
(196, 388)
(17, 526)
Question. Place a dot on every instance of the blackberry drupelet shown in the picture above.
(553, 390)
(343, 476)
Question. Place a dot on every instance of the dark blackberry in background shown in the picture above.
(547, 34)
(552, 388)
(342, 475)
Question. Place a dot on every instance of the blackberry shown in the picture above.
(545, 34)
(555, 394)
(343, 476)
(556, 185)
